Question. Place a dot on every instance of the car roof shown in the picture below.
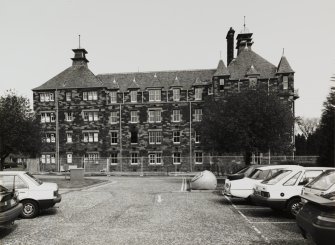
(280, 166)
(12, 172)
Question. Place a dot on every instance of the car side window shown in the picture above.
(309, 175)
(292, 180)
(9, 181)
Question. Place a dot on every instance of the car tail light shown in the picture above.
(56, 193)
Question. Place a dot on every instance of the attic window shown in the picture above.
(176, 94)
(154, 95)
(221, 84)
(285, 82)
(252, 82)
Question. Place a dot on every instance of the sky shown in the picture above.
(37, 38)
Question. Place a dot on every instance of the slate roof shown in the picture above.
(252, 71)
(284, 66)
(73, 77)
(239, 67)
(165, 79)
(221, 70)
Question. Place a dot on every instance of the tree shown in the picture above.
(307, 125)
(307, 143)
(247, 122)
(20, 131)
(326, 132)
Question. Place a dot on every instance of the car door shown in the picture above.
(12, 181)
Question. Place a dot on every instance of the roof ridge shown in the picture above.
(154, 71)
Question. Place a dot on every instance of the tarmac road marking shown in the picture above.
(183, 185)
(273, 222)
(253, 208)
(249, 222)
(159, 198)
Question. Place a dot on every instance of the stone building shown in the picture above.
(145, 119)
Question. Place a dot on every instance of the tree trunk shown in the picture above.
(247, 157)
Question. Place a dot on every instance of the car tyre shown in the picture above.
(30, 209)
(293, 206)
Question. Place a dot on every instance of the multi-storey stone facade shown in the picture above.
(128, 117)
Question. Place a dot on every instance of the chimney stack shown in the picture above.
(230, 45)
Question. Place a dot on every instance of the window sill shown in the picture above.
(177, 163)
(198, 163)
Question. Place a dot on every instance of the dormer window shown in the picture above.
(176, 94)
(198, 93)
(285, 82)
(221, 84)
(252, 82)
(113, 97)
(154, 95)
(210, 90)
(133, 96)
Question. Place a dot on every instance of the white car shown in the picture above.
(243, 187)
(321, 185)
(282, 191)
(34, 194)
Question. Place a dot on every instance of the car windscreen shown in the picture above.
(323, 182)
(37, 181)
(259, 174)
(276, 177)
(242, 171)
(3, 189)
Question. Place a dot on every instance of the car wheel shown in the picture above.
(293, 206)
(30, 209)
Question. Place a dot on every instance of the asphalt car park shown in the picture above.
(152, 210)
(274, 227)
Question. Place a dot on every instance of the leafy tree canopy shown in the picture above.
(19, 129)
(250, 121)
(326, 132)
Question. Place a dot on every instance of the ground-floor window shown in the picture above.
(113, 158)
(198, 157)
(134, 158)
(155, 158)
(176, 158)
(48, 158)
(91, 157)
(69, 158)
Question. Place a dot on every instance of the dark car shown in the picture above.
(244, 172)
(317, 216)
(10, 208)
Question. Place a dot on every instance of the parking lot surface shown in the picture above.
(152, 210)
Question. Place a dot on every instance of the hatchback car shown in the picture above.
(244, 172)
(282, 191)
(317, 216)
(243, 187)
(34, 194)
(10, 208)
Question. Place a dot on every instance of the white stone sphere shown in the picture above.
(205, 180)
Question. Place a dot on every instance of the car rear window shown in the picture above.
(37, 181)
(276, 177)
(323, 182)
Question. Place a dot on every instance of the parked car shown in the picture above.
(282, 191)
(244, 172)
(10, 208)
(317, 216)
(34, 194)
(243, 187)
